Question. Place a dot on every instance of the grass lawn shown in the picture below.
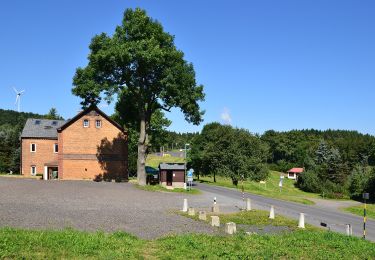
(358, 210)
(254, 217)
(68, 244)
(158, 187)
(154, 161)
(270, 189)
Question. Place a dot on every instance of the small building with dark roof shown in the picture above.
(172, 175)
(89, 146)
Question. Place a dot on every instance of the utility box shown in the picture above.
(366, 196)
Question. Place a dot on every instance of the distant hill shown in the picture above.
(14, 118)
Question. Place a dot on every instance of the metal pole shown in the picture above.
(185, 162)
(364, 220)
(189, 185)
(243, 190)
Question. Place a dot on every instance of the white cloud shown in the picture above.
(225, 116)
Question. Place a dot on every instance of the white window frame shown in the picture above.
(84, 123)
(96, 123)
(33, 170)
(31, 147)
(54, 148)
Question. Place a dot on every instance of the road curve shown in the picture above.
(314, 215)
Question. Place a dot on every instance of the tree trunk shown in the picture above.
(142, 146)
(214, 177)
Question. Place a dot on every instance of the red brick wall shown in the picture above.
(44, 154)
(87, 152)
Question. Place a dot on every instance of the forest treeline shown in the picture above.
(337, 163)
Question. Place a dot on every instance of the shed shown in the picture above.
(294, 172)
(172, 175)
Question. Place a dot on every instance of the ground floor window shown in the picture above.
(33, 170)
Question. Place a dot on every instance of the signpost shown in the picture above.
(189, 176)
(365, 196)
(281, 182)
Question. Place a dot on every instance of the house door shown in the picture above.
(169, 178)
(52, 173)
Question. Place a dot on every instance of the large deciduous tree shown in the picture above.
(141, 61)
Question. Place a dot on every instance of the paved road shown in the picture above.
(314, 215)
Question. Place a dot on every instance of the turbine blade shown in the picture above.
(21, 91)
(15, 90)
(16, 99)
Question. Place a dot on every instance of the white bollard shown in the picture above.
(301, 221)
(215, 207)
(185, 207)
(248, 204)
(348, 229)
(272, 213)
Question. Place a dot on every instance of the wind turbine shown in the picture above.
(18, 98)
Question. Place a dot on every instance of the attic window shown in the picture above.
(54, 122)
(37, 122)
(86, 123)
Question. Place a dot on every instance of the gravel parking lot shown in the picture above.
(91, 206)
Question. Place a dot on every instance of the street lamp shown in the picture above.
(186, 158)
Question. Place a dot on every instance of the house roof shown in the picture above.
(84, 112)
(41, 128)
(296, 170)
(172, 166)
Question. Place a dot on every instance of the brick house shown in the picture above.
(89, 146)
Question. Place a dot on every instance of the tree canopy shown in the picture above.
(141, 64)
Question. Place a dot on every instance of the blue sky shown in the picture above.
(264, 64)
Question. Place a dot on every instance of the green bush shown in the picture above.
(333, 191)
(310, 182)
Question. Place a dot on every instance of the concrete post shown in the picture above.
(191, 212)
(215, 221)
(248, 204)
(185, 207)
(348, 229)
(301, 221)
(202, 215)
(215, 208)
(230, 228)
(272, 213)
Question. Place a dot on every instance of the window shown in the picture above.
(37, 122)
(98, 123)
(86, 123)
(55, 148)
(54, 123)
(33, 148)
(33, 170)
